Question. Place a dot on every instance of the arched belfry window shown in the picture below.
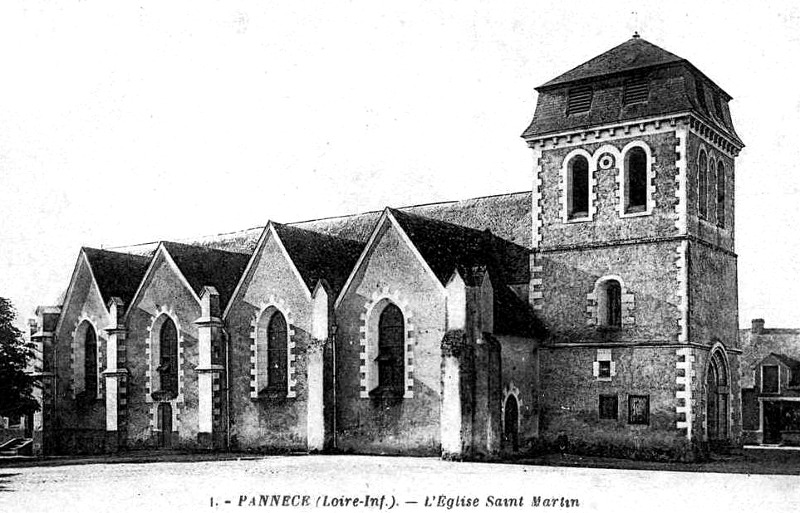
(90, 361)
(712, 183)
(702, 185)
(609, 304)
(277, 354)
(721, 194)
(168, 358)
(391, 342)
(635, 180)
(578, 188)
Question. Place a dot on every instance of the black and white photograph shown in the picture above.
(357, 256)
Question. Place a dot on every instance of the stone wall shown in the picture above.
(648, 276)
(164, 293)
(408, 425)
(520, 378)
(607, 225)
(570, 393)
(268, 423)
(78, 416)
(708, 229)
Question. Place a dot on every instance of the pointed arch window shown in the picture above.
(391, 350)
(90, 361)
(277, 354)
(635, 180)
(721, 194)
(168, 358)
(578, 188)
(702, 185)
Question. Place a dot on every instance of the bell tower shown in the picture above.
(633, 268)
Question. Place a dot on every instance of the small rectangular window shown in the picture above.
(609, 405)
(769, 379)
(15, 421)
(579, 100)
(636, 90)
(604, 369)
(639, 409)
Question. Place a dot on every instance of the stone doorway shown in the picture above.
(511, 423)
(717, 393)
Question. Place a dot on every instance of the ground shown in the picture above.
(178, 483)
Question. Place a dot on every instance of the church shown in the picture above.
(595, 313)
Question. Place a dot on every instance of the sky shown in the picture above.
(130, 122)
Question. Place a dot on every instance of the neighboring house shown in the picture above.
(771, 385)
(599, 308)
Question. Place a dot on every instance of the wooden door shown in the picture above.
(165, 425)
(511, 422)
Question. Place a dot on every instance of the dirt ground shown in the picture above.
(174, 482)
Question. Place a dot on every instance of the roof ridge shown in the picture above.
(447, 202)
(475, 231)
(661, 58)
(203, 248)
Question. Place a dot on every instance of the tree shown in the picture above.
(16, 385)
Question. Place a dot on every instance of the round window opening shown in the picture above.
(606, 161)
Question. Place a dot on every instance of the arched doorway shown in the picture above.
(165, 425)
(511, 423)
(717, 392)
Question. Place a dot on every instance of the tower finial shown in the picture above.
(636, 34)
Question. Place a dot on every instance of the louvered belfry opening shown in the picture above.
(636, 90)
(579, 99)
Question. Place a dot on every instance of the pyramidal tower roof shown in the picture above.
(635, 80)
(633, 54)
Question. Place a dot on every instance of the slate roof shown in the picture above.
(489, 231)
(205, 266)
(446, 247)
(672, 88)
(117, 274)
(319, 256)
(787, 361)
(633, 54)
(508, 216)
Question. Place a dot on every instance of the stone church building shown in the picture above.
(597, 310)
